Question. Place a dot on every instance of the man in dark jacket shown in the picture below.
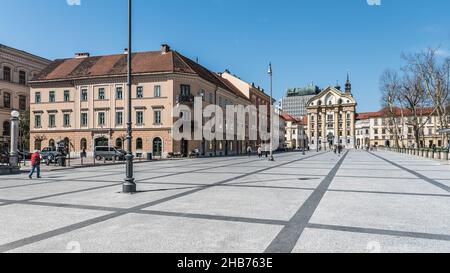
(35, 165)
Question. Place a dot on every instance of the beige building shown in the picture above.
(295, 135)
(257, 97)
(83, 101)
(373, 129)
(17, 68)
(331, 118)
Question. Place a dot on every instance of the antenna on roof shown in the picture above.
(196, 60)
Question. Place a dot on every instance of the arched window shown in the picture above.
(139, 144)
(7, 73)
(51, 143)
(37, 144)
(319, 103)
(157, 146)
(119, 143)
(22, 77)
(83, 144)
(6, 128)
(340, 101)
(7, 100)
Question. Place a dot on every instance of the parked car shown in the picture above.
(49, 152)
(123, 153)
(107, 153)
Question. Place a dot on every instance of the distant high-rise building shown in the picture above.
(294, 103)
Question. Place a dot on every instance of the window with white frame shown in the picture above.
(84, 94)
(139, 118)
(101, 94)
(84, 119)
(157, 91)
(101, 118)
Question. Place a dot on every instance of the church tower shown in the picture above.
(348, 86)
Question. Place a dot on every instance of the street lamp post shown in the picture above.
(270, 72)
(129, 186)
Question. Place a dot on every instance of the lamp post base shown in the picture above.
(271, 158)
(129, 187)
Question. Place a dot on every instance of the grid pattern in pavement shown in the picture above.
(354, 202)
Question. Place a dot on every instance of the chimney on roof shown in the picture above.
(227, 71)
(165, 48)
(82, 55)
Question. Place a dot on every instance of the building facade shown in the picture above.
(295, 102)
(257, 98)
(377, 130)
(331, 118)
(17, 68)
(295, 135)
(82, 101)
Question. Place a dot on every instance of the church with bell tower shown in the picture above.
(332, 117)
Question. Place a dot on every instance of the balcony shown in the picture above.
(185, 99)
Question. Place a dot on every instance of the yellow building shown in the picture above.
(373, 128)
(331, 118)
(83, 100)
(16, 69)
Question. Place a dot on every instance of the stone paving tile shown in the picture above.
(147, 233)
(274, 180)
(397, 212)
(330, 241)
(277, 204)
(193, 178)
(111, 197)
(34, 191)
(22, 221)
(393, 185)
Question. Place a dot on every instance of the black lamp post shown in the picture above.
(270, 72)
(129, 186)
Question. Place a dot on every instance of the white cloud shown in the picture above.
(374, 2)
(443, 53)
(73, 2)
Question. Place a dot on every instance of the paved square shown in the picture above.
(319, 202)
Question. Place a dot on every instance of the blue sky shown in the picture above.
(306, 40)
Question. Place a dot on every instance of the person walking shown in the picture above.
(35, 165)
(259, 152)
(448, 146)
(249, 151)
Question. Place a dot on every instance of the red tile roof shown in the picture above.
(143, 62)
(397, 111)
(287, 117)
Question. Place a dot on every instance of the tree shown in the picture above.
(415, 100)
(390, 86)
(24, 127)
(433, 75)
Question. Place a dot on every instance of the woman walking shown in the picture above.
(35, 165)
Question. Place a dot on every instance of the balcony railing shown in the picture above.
(185, 99)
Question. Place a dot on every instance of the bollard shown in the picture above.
(446, 155)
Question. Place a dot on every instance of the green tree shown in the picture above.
(24, 127)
